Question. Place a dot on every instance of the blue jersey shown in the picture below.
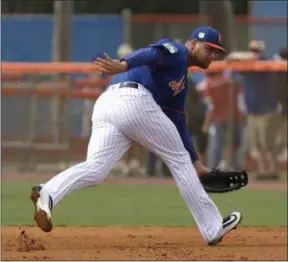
(162, 69)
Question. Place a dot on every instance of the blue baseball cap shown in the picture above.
(208, 35)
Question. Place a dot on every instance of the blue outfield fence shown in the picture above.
(28, 38)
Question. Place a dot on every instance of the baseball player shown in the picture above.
(144, 103)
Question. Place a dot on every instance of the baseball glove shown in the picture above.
(222, 181)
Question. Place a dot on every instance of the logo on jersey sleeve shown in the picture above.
(177, 87)
(170, 47)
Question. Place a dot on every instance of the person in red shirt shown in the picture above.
(216, 123)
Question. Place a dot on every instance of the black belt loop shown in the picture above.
(129, 84)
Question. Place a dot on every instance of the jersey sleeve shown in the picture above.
(162, 53)
(170, 53)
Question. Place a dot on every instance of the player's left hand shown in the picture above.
(110, 66)
(200, 168)
(221, 181)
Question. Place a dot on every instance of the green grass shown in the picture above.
(118, 205)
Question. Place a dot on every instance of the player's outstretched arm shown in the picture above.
(154, 55)
(144, 56)
(150, 56)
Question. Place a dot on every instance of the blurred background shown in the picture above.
(238, 119)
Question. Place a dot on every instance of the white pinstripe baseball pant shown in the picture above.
(124, 114)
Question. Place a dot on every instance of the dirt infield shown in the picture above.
(143, 243)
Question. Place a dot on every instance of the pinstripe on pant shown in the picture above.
(123, 115)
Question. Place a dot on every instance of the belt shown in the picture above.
(129, 84)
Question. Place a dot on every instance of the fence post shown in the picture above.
(202, 12)
(32, 127)
(251, 27)
(223, 21)
(231, 124)
(126, 16)
(63, 15)
(159, 29)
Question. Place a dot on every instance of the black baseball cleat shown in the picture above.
(43, 207)
(229, 223)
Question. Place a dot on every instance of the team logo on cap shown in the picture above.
(201, 35)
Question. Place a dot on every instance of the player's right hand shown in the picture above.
(111, 66)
